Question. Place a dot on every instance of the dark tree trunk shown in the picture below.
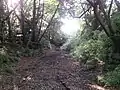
(116, 49)
(22, 23)
(1, 21)
(9, 29)
(34, 21)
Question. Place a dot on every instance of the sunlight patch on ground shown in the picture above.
(70, 26)
(96, 87)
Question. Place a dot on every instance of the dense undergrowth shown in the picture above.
(88, 46)
(8, 58)
(10, 54)
(93, 43)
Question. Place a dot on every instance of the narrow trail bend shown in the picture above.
(54, 71)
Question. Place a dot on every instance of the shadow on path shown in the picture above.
(56, 70)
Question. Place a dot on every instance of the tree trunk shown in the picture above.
(116, 49)
(22, 22)
(9, 29)
(34, 21)
(1, 21)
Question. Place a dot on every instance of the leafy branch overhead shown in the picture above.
(29, 21)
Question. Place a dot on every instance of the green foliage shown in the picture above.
(4, 60)
(116, 22)
(91, 45)
(112, 78)
(27, 52)
(50, 6)
(8, 58)
(91, 48)
(44, 43)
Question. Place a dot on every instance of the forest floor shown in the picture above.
(55, 70)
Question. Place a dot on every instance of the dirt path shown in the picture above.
(54, 71)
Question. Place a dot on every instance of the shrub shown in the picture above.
(97, 46)
(4, 60)
(7, 59)
(112, 78)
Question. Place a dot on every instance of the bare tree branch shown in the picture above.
(91, 3)
(118, 4)
(41, 21)
(86, 15)
(107, 18)
(101, 22)
(109, 11)
(84, 12)
(49, 23)
(10, 13)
